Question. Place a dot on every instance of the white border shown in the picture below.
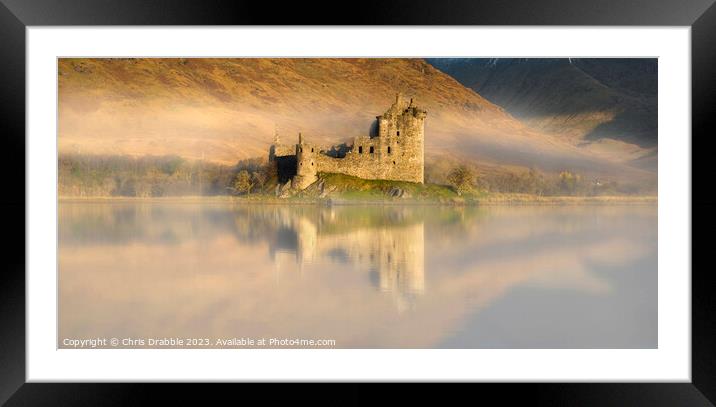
(670, 362)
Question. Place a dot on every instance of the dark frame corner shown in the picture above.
(16, 15)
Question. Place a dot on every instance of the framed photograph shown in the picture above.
(427, 194)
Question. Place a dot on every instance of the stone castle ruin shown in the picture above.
(394, 152)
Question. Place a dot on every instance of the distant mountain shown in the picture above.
(224, 110)
(580, 99)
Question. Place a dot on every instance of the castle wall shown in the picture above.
(284, 158)
(282, 150)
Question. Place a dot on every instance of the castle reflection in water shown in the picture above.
(388, 244)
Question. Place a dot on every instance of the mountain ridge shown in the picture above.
(581, 99)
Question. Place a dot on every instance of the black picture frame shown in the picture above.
(16, 15)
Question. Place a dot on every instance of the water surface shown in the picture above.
(364, 277)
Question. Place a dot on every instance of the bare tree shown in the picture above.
(259, 178)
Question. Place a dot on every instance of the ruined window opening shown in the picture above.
(300, 149)
(393, 162)
(371, 149)
(311, 162)
(388, 149)
(311, 151)
(360, 150)
(397, 133)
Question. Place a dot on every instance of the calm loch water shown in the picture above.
(222, 275)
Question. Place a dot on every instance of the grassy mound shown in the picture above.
(339, 186)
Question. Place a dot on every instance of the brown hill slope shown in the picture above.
(227, 109)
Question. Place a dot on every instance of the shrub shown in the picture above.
(462, 179)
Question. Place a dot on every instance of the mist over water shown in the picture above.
(363, 276)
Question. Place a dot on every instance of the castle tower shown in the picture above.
(306, 168)
(398, 99)
(401, 132)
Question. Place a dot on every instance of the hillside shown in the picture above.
(606, 101)
(222, 110)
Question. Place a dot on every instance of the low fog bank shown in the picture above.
(222, 137)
